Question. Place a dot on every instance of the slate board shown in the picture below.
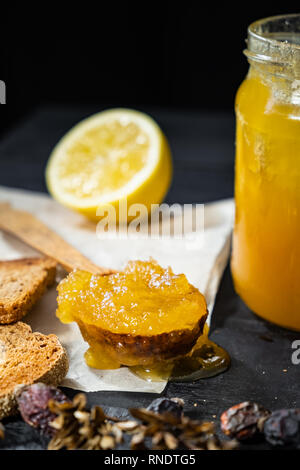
(203, 151)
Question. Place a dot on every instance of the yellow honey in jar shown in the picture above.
(266, 243)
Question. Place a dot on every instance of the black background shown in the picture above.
(184, 54)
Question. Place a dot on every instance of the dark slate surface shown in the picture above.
(203, 151)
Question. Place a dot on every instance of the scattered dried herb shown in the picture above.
(169, 431)
(78, 428)
(33, 405)
(282, 428)
(161, 426)
(244, 421)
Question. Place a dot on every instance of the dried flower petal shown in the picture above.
(171, 441)
(117, 433)
(76, 427)
(97, 415)
(82, 416)
(138, 442)
(151, 417)
(107, 442)
(127, 425)
(157, 438)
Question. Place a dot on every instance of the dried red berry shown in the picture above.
(282, 428)
(33, 405)
(244, 421)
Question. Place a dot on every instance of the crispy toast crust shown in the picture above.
(26, 358)
(22, 283)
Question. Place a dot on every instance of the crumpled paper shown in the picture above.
(202, 261)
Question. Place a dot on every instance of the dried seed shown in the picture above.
(212, 444)
(157, 438)
(117, 434)
(79, 401)
(107, 442)
(57, 423)
(127, 425)
(97, 414)
(81, 415)
(170, 440)
(92, 444)
(148, 416)
(137, 441)
(230, 445)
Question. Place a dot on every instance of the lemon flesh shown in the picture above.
(111, 156)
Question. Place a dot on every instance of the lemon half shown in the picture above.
(115, 155)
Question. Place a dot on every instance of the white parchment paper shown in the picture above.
(203, 263)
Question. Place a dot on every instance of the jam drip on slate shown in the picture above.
(207, 359)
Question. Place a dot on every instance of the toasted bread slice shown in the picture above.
(22, 283)
(25, 358)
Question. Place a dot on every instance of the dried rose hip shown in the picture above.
(244, 421)
(33, 405)
(163, 405)
(282, 428)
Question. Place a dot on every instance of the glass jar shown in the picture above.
(266, 241)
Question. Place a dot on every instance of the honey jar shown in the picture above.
(266, 241)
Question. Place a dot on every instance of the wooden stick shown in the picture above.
(36, 234)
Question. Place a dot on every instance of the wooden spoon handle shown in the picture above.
(36, 234)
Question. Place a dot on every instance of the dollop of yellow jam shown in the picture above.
(145, 317)
(144, 299)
